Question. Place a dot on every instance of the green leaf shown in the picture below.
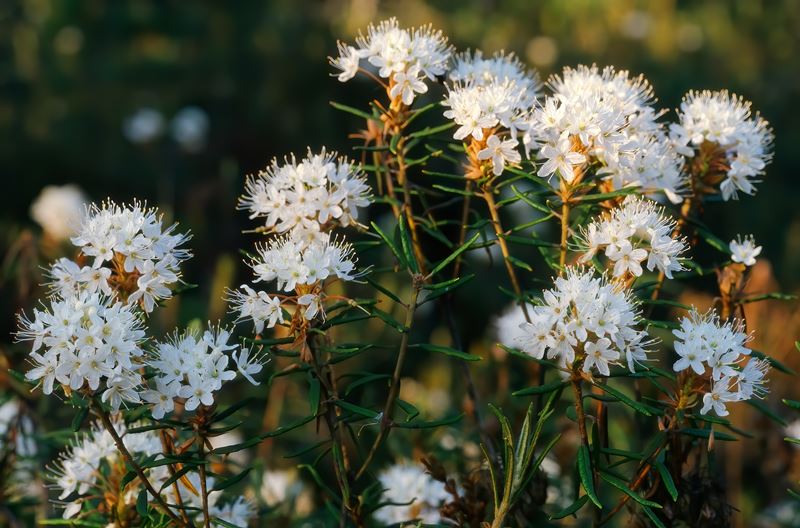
(653, 517)
(431, 424)
(666, 478)
(602, 197)
(286, 428)
(407, 245)
(429, 131)
(624, 398)
(439, 267)
(231, 481)
(774, 296)
(141, 503)
(177, 475)
(383, 290)
(127, 479)
(221, 415)
(541, 389)
(356, 112)
(571, 509)
(706, 433)
(388, 242)
(766, 411)
(355, 409)
(448, 351)
(585, 473)
(79, 417)
(623, 487)
(794, 404)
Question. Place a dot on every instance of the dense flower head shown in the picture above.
(414, 495)
(295, 265)
(475, 69)
(78, 470)
(291, 262)
(605, 116)
(405, 56)
(634, 232)
(83, 471)
(306, 195)
(718, 351)
(193, 367)
(141, 257)
(744, 250)
(726, 121)
(585, 314)
(86, 340)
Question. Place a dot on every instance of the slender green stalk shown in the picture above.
(394, 388)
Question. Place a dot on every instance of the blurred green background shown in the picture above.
(90, 91)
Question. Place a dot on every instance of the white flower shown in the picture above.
(501, 152)
(608, 116)
(58, 210)
(744, 250)
(280, 486)
(397, 52)
(133, 238)
(716, 399)
(193, 367)
(599, 355)
(585, 309)
(304, 196)
(507, 325)
(415, 494)
(247, 365)
(560, 157)
(406, 85)
(143, 126)
(88, 339)
(725, 120)
(189, 128)
(708, 346)
(635, 231)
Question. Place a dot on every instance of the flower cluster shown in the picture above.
(78, 468)
(305, 195)
(83, 340)
(723, 121)
(633, 232)
(585, 317)
(608, 117)
(744, 250)
(81, 470)
(194, 367)
(718, 350)
(413, 494)
(405, 56)
(295, 265)
(143, 256)
(490, 100)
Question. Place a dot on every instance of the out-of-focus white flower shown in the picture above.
(280, 486)
(143, 126)
(190, 127)
(507, 325)
(59, 210)
(744, 250)
(415, 494)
